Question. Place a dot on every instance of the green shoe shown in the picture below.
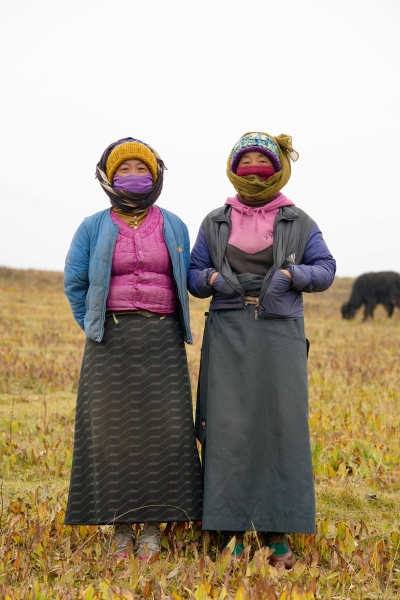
(279, 543)
(236, 547)
(237, 551)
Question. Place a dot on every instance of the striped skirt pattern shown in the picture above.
(135, 457)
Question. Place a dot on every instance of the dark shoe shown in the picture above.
(279, 543)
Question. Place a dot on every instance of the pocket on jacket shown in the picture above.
(223, 288)
(281, 300)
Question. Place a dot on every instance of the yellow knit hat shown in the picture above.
(129, 150)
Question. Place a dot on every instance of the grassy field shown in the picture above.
(354, 422)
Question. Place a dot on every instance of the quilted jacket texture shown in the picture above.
(88, 269)
(298, 247)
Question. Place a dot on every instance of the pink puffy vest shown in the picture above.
(141, 273)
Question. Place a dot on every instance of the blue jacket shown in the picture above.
(298, 247)
(88, 270)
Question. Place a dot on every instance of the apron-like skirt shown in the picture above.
(252, 418)
(135, 457)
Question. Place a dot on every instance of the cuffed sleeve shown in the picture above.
(317, 270)
(201, 268)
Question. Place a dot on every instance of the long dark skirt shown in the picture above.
(253, 421)
(135, 457)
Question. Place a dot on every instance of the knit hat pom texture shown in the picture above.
(128, 151)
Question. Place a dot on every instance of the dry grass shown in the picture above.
(354, 420)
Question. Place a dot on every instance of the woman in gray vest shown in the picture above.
(255, 256)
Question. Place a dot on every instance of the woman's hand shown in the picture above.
(213, 276)
(288, 273)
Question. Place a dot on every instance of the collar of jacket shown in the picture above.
(224, 213)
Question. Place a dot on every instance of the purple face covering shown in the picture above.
(136, 184)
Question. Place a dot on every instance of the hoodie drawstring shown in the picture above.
(247, 210)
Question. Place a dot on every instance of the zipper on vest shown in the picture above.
(278, 220)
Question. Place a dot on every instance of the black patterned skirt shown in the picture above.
(135, 457)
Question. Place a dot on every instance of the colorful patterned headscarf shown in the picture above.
(279, 149)
(113, 156)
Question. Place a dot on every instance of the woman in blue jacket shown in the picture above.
(255, 256)
(135, 458)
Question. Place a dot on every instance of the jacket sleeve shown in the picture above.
(76, 274)
(201, 268)
(186, 248)
(317, 271)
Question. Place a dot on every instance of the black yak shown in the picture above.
(371, 289)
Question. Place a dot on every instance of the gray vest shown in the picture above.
(292, 229)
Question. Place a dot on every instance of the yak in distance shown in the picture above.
(371, 289)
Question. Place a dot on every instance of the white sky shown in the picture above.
(190, 78)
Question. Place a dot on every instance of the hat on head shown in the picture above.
(278, 148)
(117, 153)
(255, 142)
(126, 150)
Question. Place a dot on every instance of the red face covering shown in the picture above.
(262, 171)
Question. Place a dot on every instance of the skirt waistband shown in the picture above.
(144, 313)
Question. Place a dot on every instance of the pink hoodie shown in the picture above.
(253, 228)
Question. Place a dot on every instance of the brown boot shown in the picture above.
(279, 543)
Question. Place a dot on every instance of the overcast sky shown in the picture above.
(190, 78)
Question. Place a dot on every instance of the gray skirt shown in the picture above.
(252, 419)
(135, 457)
